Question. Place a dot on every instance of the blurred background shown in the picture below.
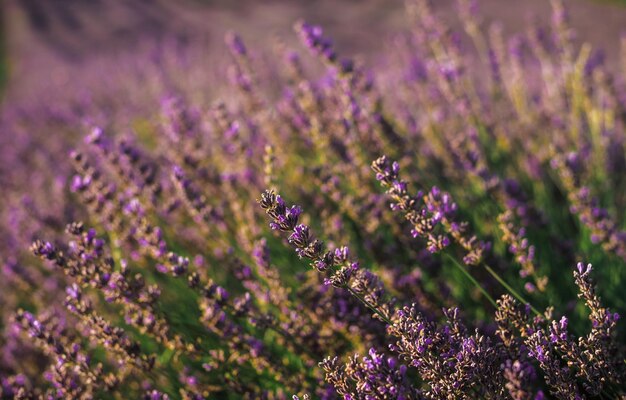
(50, 43)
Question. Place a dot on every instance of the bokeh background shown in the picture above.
(50, 43)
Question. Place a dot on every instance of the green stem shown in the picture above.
(368, 305)
(472, 279)
(510, 289)
(498, 278)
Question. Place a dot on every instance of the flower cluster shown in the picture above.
(374, 376)
(426, 212)
(340, 272)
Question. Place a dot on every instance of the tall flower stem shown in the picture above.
(369, 305)
(497, 277)
(510, 289)
(472, 279)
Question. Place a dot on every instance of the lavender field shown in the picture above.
(313, 199)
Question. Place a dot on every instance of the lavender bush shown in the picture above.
(437, 219)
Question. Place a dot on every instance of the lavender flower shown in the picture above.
(340, 272)
(426, 212)
(374, 376)
(170, 289)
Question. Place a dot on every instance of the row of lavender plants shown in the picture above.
(422, 229)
